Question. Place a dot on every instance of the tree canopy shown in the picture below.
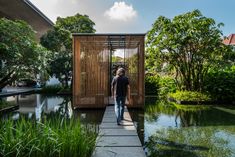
(20, 55)
(189, 44)
(76, 24)
(59, 41)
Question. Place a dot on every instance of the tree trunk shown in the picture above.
(6, 80)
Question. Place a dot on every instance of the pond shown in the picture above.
(38, 107)
(47, 126)
(168, 130)
(164, 129)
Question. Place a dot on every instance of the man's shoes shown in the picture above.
(118, 123)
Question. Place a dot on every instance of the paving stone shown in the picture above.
(117, 141)
(119, 152)
(115, 132)
(114, 125)
(118, 127)
(109, 119)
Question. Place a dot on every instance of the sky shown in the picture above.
(137, 16)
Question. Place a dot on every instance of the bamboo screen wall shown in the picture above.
(93, 66)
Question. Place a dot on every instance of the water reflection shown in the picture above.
(174, 130)
(41, 107)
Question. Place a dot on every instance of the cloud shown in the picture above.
(121, 11)
(95, 10)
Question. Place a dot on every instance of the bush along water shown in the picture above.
(151, 85)
(167, 85)
(56, 137)
(220, 84)
(159, 86)
(189, 96)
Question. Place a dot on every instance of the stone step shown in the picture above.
(118, 141)
(118, 152)
(117, 132)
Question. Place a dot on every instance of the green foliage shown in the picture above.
(167, 85)
(189, 96)
(221, 84)
(59, 41)
(56, 137)
(4, 104)
(20, 55)
(191, 108)
(61, 67)
(151, 85)
(76, 24)
(159, 86)
(51, 89)
(189, 44)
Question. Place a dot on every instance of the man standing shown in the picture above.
(120, 90)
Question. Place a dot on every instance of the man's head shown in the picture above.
(121, 71)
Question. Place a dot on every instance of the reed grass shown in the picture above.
(55, 137)
(5, 104)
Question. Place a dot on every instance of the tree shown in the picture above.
(20, 55)
(59, 41)
(189, 43)
(76, 24)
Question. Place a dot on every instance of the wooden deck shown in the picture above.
(117, 141)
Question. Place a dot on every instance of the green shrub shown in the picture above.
(221, 84)
(189, 96)
(167, 85)
(65, 90)
(57, 137)
(51, 89)
(190, 108)
(151, 85)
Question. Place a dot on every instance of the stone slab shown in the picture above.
(115, 132)
(112, 115)
(114, 120)
(119, 152)
(118, 141)
(114, 125)
(109, 119)
(118, 127)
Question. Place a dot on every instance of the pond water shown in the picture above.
(165, 130)
(38, 107)
(168, 130)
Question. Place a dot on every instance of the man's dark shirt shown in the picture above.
(120, 84)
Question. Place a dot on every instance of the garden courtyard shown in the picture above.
(182, 82)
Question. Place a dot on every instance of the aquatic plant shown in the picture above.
(4, 104)
(190, 142)
(54, 137)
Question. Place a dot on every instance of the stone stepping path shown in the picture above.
(117, 140)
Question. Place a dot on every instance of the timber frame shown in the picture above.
(94, 66)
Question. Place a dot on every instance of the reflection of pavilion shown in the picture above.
(36, 104)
